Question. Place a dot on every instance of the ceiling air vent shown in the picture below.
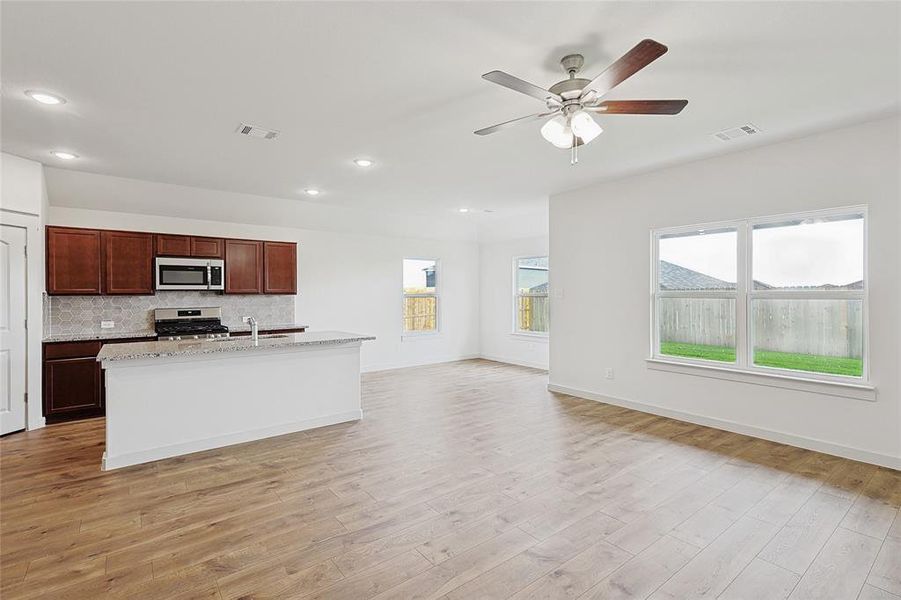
(257, 132)
(736, 132)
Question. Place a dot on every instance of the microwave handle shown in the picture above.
(209, 275)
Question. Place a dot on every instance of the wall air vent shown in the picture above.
(727, 135)
(257, 132)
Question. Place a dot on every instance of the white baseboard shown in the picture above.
(135, 458)
(515, 361)
(885, 460)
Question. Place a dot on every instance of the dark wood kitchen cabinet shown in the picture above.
(72, 381)
(204, 247)
(73, 261)
(172, 245)
(188, 246)
(96, 261)
(127, 262)
(243, 267)
(279, 268)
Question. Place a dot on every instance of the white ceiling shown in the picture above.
(156, 90)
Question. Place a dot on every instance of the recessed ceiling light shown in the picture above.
(311, 192)
(45, 97)
(64, 155)
(463, 210)
(363, 162)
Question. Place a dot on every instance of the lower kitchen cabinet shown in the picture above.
(73, 386)
(73, 380)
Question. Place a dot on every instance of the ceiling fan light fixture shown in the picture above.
(557, 132)
(585, 127)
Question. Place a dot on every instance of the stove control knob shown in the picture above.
(196, 337)
(178, 337)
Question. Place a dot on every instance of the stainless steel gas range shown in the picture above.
(189, 323)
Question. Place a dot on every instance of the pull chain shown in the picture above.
(574, 153)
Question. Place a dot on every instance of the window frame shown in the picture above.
(435, 294)
(516, 295)
(744, 295)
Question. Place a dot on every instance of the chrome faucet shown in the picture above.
(254, 330)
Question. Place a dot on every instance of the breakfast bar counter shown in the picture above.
(170, 398)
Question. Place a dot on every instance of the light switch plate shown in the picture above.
(107, 324)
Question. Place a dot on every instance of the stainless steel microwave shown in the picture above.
(190, 274)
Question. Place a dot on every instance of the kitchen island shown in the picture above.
(170, 398)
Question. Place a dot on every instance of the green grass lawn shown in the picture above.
(834, 365)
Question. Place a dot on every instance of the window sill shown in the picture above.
(538, 337)
(857, 391)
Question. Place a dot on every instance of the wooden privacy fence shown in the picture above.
(533, 313)
(420, 313)
(820, 327)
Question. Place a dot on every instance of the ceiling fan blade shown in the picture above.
(518, 85)
(643, 54)
(639, 107)
(513, 122)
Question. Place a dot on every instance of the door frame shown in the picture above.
(34, 311)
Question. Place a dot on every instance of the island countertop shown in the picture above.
(175, 348)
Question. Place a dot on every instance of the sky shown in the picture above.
(799, 255)
(414, 273)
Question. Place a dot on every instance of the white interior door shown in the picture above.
(12, 328)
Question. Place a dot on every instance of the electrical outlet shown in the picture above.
(608, 373)
(107, 324)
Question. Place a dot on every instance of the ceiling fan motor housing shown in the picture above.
(570, 89)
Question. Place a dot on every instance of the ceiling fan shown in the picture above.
(570, 102)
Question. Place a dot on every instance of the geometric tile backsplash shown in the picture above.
(82, 314)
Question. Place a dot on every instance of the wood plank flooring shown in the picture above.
(464, 480)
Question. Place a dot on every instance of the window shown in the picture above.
(420, 295)
(531, 295)
(776, 295)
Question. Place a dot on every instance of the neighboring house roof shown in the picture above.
(541, 288)
(854, 285)
(674, 277)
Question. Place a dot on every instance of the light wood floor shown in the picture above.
(467, 480)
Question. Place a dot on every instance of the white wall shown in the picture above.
(346, 281)
(23, 203)
(600, 252)
(498, 342)
(22, 188)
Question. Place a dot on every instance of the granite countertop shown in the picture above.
(267, 327)
(145, 350)
(99, 334)
(118, 334)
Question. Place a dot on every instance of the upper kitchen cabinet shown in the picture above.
(172, 245)
(188, 246)
(204, 247)
(127, 262)
(243, 267)
(73, 261)
(279, 268)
